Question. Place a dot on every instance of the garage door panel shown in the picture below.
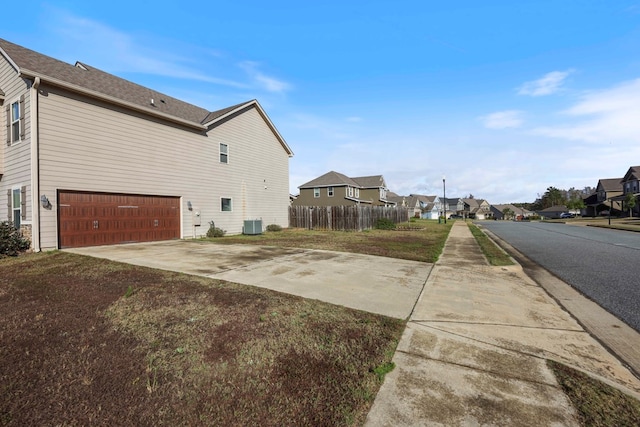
(92, 219)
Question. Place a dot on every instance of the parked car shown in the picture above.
(567, 215)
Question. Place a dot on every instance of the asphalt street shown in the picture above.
(603, 264)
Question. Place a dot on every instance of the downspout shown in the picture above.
(35, 166)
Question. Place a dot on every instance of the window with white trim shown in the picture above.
(16, 199)
(349, 191)
(316, 192)
(17, 205)
(357, 193)
(330, 191)
(225, 204)
(224, 153)
(15, 121)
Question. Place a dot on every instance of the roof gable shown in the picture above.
(632, 174)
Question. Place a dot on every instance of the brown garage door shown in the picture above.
(92, 219)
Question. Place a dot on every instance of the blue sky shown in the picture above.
(503, 98)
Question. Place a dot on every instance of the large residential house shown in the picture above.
(449, 206)
(93, 159)
(474, 208)
(336, 189)
(430, 206)
(604, 197)
(426, 207)
(631, 186)
(512, 211)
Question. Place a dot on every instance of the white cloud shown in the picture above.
(270, 84)
(102, 46)
(609, 115)
(550, 83)
(503, 119)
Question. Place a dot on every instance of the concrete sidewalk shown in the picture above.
(474, 351)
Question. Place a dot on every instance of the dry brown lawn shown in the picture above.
(93, 342)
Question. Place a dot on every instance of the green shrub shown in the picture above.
(274, 227)
(11, 241)
(214, 231)
(385, 224)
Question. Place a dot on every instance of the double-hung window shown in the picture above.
(349, 191)
(16, 205)
(316, 192)
(224, 153)
(330, 191)
(17, 214)
(225, 204)
(15, 121)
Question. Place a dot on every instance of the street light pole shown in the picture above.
(444, 202)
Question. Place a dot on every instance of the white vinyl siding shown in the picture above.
(89, 148)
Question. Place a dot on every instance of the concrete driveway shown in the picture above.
(376, 284)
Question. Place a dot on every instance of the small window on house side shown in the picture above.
(316, 192)
(357, 193)
(15, 122)
(224, 153)
(16, 206)
(350, 191)
(225, 204)
(330, 191)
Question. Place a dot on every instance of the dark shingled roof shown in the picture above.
(611, 184)
(33, 64)
(373, 181)
(330, 179)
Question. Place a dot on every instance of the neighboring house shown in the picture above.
(553, 211)
(474, 208)
(430, 206)
(406, 202)
(517, 213)
(93, 159)
(426, 207)
(449, 206)
(631, 185)
(336, 189)
(604, 197)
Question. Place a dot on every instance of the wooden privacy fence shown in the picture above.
(343, 218)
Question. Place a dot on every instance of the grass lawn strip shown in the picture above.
(494, 254)
(597, 404)
(423, 242)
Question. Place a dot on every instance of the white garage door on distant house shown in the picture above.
(94, 219)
